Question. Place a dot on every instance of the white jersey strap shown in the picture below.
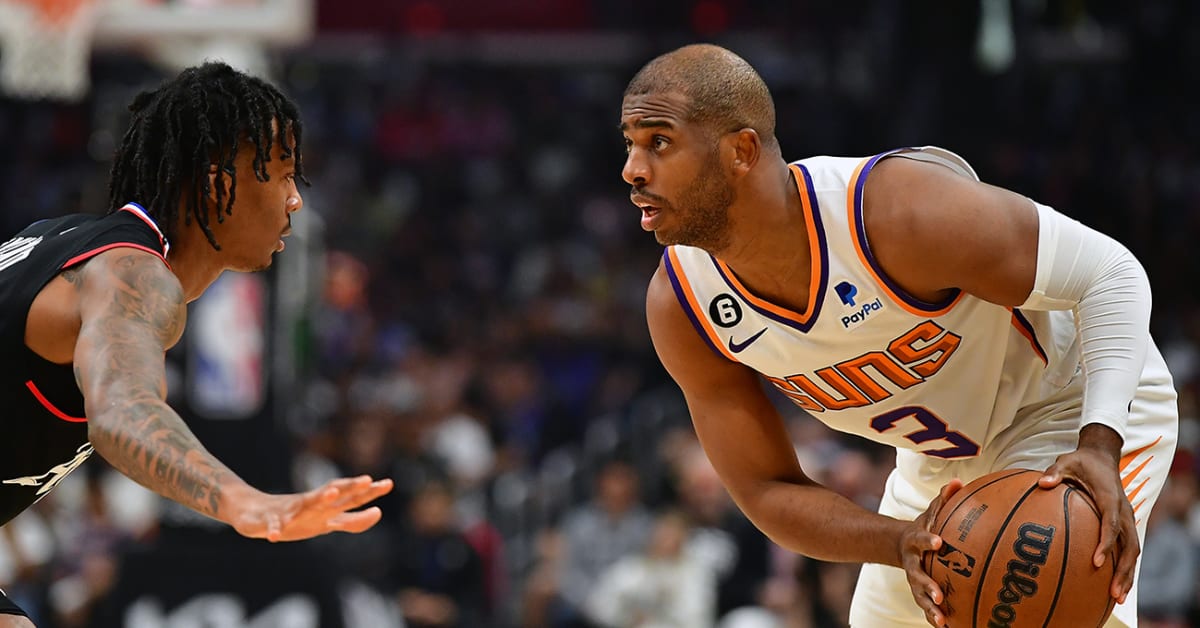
(940, 156)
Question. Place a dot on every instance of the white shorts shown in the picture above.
(1038, 436)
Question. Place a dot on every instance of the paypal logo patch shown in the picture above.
(862, 313)
(846, 292)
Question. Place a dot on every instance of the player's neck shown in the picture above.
(769, 248)
(195, 263)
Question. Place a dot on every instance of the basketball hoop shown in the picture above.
(45, 46)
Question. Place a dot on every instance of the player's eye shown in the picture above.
(661, 142)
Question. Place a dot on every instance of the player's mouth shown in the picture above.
(650, 212)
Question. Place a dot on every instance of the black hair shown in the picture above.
(179, 130)
(724, 92)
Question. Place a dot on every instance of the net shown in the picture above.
(45, 46)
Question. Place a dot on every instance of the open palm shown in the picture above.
(320, 511)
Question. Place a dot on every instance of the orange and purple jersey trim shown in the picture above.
(818, 265)
(687, 299)
(818, 282)
(1026, 328)
(897, 294)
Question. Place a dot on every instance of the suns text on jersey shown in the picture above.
(908, 360)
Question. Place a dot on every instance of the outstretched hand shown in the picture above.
(1096, 473)
(320, 511)
(914, 543)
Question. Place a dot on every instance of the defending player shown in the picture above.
(898, 298)
(204, 181)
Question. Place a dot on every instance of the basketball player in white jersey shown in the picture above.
(898, 298)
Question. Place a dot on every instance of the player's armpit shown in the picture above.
(132, 308)
(933, 230)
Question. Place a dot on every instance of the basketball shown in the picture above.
(1015, 555)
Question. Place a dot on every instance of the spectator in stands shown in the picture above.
(593, 537)
(737, 553)
(664, 586)
(439, 577)
(1170, 557)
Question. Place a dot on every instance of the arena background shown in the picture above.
(462, 306)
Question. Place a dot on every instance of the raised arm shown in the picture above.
(132, 309)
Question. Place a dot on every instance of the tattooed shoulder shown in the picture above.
(146, 291)
(72, 275)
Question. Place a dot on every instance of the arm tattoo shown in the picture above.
(72, 275)
(138, 311)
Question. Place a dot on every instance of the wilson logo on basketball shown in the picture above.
(1031, 548)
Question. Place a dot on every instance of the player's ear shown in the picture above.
(747, 148)
(211, 189)
(214, 181)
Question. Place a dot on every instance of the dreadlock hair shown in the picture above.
(185, 126)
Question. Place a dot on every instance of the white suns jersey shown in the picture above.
(866, 358)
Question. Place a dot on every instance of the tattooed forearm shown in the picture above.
(148, 442)
(134, 312)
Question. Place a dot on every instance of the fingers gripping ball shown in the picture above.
(1015, 555)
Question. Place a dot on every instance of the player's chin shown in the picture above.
(665, 237)
(269, 259)
(258, 265)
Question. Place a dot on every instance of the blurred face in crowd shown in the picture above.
(701, 490)
(433, 510)
(670, 533)
(1178, 495)
(345, 281)
(616, 489)
(674, 166)
(365, 443)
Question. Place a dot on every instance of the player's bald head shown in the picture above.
(724, 92)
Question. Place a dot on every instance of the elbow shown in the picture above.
(102, 432)
(110, 421)
(1122, 267)
(1120, 279)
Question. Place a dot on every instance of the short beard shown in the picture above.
(703, 212)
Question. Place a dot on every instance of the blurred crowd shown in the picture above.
(479, 333)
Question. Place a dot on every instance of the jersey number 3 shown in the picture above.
(934, 430)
